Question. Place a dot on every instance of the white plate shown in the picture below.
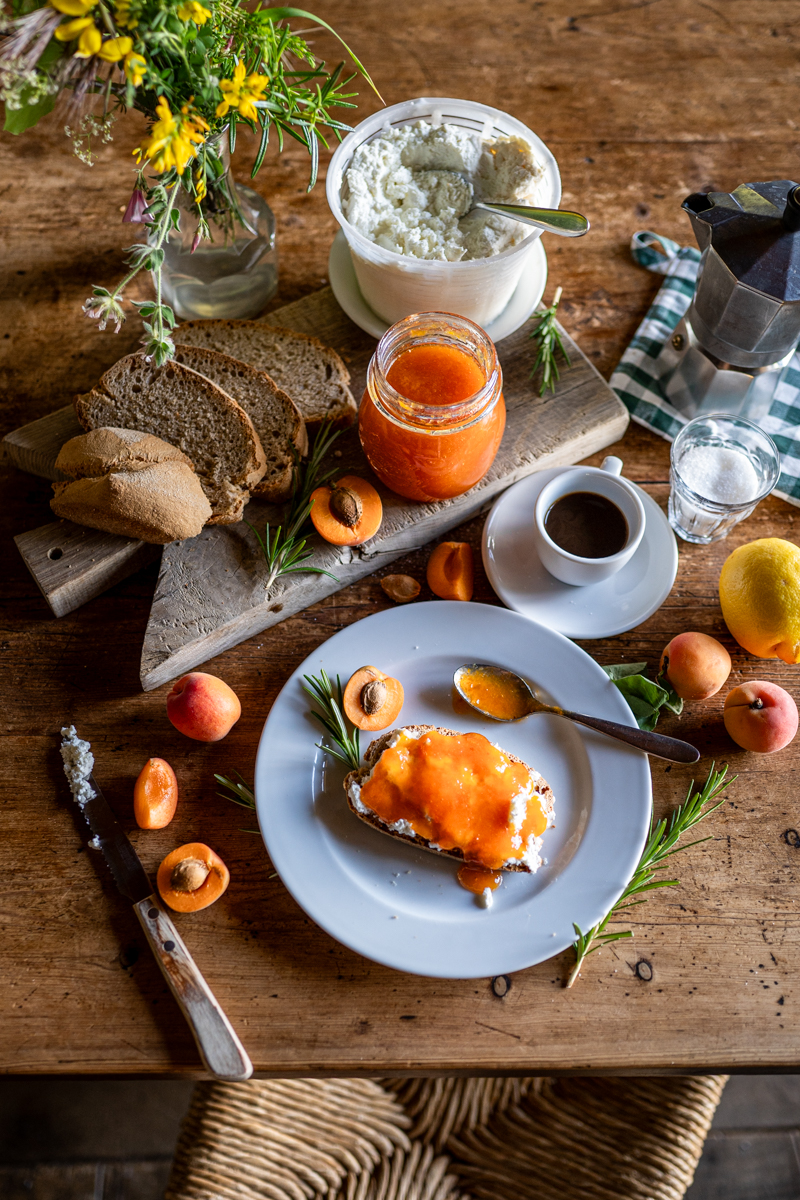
(344, 284)
(401, 906)
(600, 610)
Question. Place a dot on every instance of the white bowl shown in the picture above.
(396, 285)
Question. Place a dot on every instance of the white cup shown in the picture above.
(603, 481)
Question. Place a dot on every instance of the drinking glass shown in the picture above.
(720, 468)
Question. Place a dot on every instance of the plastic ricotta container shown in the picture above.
(394, 284)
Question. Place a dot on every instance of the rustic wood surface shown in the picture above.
(210, 592)
(641, 103)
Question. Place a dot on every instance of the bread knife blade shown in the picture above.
(220, 1048)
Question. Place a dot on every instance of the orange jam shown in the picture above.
(432, 416)
(478, 879)
(461, 793)
(495, 696)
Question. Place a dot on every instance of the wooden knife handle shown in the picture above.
(219, 1047)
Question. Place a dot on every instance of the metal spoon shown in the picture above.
(553, 220)
(528, 702)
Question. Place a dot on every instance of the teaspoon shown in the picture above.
(505, 696)
(553, 220)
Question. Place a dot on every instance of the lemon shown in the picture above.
(759, 590)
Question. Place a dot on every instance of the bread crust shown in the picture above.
(239, 376)
(202, 333)
(374, 752)
(111, 449)
(157, 502)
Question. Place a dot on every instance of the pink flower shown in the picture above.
(196, 240)
(135, 213)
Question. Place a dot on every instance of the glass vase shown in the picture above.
(236, 273)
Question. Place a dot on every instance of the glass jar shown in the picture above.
(236, 273)
(438, 449)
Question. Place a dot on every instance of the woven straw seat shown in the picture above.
(444, 1139)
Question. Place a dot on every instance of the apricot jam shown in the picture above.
(461, 793)
(478, 879)
(495, 696)
(432, 416)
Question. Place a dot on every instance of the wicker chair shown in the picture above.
(444, 1139)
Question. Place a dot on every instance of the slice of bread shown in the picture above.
(313, 375)
(157, 502)
(189, 411)
(106, 449)
(275, 417)
(374, 752)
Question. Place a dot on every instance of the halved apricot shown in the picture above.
(155, 795)
(450, 571)
(347, 513)
(371, 699)
(192, 877)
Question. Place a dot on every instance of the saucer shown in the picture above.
(524, 300)
(596, 611)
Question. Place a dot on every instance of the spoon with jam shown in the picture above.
(505, 696)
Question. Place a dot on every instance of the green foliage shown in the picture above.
(320, 689)
(284, 547)
(662, 843)
(645, 698)
(549, 344)
(196, 71)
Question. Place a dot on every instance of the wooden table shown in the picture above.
(642, 103)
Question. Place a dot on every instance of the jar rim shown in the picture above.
(440, 328)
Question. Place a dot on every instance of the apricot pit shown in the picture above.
(347, 513)
(372, 700)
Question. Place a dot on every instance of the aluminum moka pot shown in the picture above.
(743, 324)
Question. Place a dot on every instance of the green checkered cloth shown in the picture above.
(635, 381)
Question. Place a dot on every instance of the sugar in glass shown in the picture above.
(720, 468)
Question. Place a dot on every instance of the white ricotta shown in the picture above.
(410, 191)
(78, 764)
(486, 899)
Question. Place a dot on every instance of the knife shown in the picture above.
(220, 1048)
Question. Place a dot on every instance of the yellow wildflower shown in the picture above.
(134, 66)
(122, 13)
(113, 49)
(174, 138)
(199, 187)
(241, 92)
(73, 8)
(192, 10)
(87, 33)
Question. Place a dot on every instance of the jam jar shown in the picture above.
(433, 414)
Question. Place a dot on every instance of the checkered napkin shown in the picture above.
(635, 381)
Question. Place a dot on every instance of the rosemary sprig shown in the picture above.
(239, 793)
(321, 692)
(661, 845)
(547, 336)
(284, 550)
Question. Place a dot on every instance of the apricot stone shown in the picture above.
(760, 716)
(203, 707)
(696, 665)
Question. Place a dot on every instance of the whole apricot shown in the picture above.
(760, 716)
(203, 707)
(696, 665)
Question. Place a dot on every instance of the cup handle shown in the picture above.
(611, 464)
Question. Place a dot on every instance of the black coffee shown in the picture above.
(587, 525)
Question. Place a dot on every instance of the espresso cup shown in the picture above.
(601, 481)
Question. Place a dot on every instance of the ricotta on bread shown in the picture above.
(456, 794)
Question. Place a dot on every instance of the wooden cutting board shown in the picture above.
(210, 593)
